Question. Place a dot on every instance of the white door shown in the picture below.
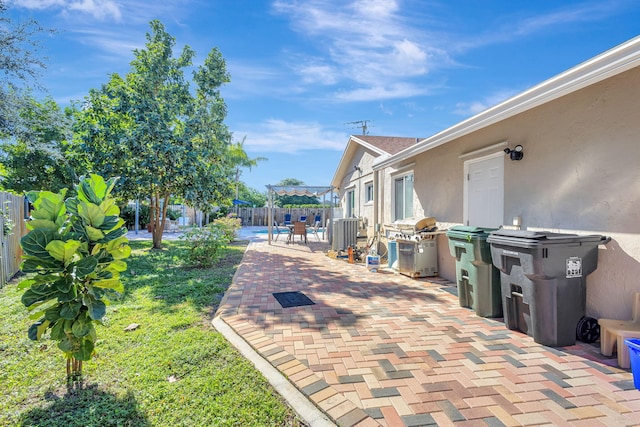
(484, 191)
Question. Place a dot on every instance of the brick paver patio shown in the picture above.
(383, 349)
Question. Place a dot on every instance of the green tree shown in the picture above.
(35, 158)
(20, 65)
(161, 136)
(240, 159)
(294, 200)
(251, 195)
(74, 254)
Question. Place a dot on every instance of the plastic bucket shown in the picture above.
(373, 262)
(634, 358)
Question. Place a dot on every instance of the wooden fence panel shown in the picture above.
(260, 216)
(10, 252)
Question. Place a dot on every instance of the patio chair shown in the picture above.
(613, 333)
(318, 218)
(303, 218)
(299, 229)
(276, 229)
(314, 230)
(287, 219)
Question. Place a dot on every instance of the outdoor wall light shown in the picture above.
(516, 153)
(358, 168)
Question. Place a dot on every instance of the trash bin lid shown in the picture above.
(467, 232)
(526, 238)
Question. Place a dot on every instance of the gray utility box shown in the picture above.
(478, 279)
(543, 281)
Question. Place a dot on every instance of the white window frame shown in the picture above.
(350, 202)
(368, 192)
(403, 176)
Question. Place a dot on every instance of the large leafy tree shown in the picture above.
(162, 136)
(37, 157)
(20, 64)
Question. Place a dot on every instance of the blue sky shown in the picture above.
(303, 71)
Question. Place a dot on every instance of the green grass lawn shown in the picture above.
(173, 370)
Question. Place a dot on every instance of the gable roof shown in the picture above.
(381, 146)
(608, 64)
(385, 144)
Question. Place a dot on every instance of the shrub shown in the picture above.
(229, 225)
(173, 215)
(74, 255)
(205, 244)
(128, 213)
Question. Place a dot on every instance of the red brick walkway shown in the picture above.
(383, 349)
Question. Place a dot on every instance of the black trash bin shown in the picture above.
(478, 279)
(543, 281)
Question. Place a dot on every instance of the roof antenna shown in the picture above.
(361, 124)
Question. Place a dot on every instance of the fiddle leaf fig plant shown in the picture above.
(74, 252)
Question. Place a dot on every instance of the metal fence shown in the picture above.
(13, 227)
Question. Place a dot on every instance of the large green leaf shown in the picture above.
(91, 214)
(81, 326)
(97, 308)
(45, 224)
(35, 265)
(37, 329)
(64, 284)
(30, 297)
(57, 331)
(109, 207)
(72, 205)
(94, 234)
(113, 235)
(36, 241)
(86, 266)
(113, 283)
(86, 192)
(53, 313)
(69, 344)
(70, 310)
(63, 251)
(110, 222)
(49, 206)
(85, 351)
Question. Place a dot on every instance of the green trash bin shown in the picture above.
(478, 279)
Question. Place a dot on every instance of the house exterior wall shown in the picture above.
(356, 180)
(580, 173)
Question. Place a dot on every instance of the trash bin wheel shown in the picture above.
(588, 330)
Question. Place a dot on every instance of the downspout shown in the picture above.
(376, 214)
(270, 213)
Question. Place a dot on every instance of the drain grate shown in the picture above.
(292, 299)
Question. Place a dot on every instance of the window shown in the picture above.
(350, 200)
(403, 203)
(368, 192)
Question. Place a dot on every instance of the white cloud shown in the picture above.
(275, 135)
(366, 42)
(99, 9)
(380, 92)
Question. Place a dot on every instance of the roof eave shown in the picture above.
(610, 63)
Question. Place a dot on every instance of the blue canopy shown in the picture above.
(240, 202)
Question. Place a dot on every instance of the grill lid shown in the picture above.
(413, 225)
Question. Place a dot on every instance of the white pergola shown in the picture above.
(295, 190)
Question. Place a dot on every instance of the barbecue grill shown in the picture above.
(417, 247)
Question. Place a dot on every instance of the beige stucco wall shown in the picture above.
(356, 180)
(580, 173)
